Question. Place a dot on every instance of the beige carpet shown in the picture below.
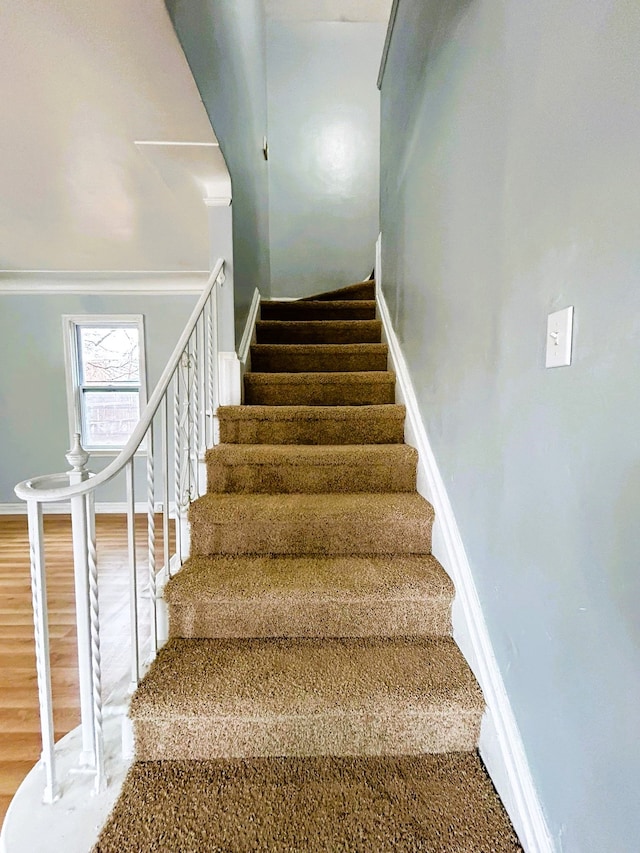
(311, 697)
(312, 424)
(431, 804)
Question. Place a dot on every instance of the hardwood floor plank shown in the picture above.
(20, 741)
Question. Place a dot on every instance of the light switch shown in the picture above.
(559, 335)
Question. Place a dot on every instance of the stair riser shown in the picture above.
(378, 430)
(202, 737)
(351, 533)
(280, 359)
(307, 617)
(310, 332)
(352, 310)
(318, 394)
(310, 479)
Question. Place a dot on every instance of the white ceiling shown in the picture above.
(360, 11)
(83, 84)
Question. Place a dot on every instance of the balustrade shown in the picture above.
(189, 388)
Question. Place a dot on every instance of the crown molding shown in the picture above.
(114, 282)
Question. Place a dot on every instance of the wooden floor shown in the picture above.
(20, 743)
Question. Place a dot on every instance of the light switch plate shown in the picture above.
(559, 338)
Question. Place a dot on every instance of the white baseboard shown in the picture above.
(501, 745)
(102, 508)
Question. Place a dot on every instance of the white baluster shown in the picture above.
(197, 450)
(43, 661)
(177, 456)
(151, 542)
(77, 457)
(194, 419)
(165, 482)
(210, 378)
(202, 409)
(216, 375)
(184, 494)
(133, 575)
(96, 658)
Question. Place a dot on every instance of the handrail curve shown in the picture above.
(28, 489)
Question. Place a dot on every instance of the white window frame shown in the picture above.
(70, 324)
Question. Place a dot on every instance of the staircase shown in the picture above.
(310, 697)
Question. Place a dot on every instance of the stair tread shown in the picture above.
(308, 468)
(438, 803)
(352, 377)
(312, 425)
(310, 331)
(320, 324)
(318, 357)
(355, 388)
(329, 349)
(274, 508)
(313, 454)
(345, 578)
(311, 304)
(267, 596)
(388, 411)
(348, 309)
(336, 523)
(288, 677)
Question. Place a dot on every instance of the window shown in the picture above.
(105, 378)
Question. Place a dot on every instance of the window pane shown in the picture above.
(109, 417)
(108, 355)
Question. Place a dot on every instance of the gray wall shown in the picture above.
(323, 153)
(223, 41)
(34, 424)
(510, 176)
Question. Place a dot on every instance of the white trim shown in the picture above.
(102, 508)
(217, 201)
(113, 282)
(229, 379)
(244, 350)
(501, 745)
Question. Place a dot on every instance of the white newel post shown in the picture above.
(77, 457)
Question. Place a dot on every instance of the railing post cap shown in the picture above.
(77, 457)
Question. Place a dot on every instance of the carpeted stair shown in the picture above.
(310, 697)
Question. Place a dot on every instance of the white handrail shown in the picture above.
(30, 489)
